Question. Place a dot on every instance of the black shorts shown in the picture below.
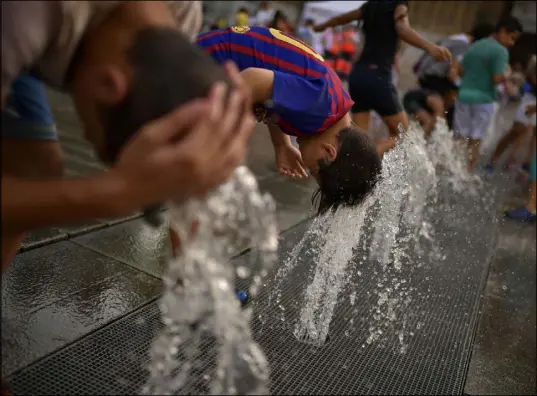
(373, 89)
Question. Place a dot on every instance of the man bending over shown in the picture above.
(119, 61)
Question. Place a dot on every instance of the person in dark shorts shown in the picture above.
(424, 106)
(370, 84)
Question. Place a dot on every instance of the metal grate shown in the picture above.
(443, 316)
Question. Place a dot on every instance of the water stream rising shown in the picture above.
(199, 301)
(399, 215)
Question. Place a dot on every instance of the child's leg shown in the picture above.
(531, 151)
(481, 118)
(516, 132)
(426, 121)
(527, 212)
(473, 145)
(515, 137)
(515, 149)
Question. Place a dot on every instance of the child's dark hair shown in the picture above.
(348, 179)
(243, 9)
(510, 24)
(168, 71)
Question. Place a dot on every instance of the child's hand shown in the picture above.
(289, 161)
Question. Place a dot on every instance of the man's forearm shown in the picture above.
(31, 204)
(343, 19)
(411, 37)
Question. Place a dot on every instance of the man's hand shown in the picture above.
(289, 161)
(439, 53)
(319, 28)
(189, 151)
(531, 109)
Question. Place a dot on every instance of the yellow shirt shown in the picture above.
(241, 19)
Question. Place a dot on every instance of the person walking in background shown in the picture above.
(525, 120)
(310, 37)
(527, 212)
(371, 86)
(346, 51)
(241, 18)
(281, 23)
(484, 66)
(264, 15)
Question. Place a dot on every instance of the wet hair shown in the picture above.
(481, 30)
(348, 179)
(510, 24)
(168, 71)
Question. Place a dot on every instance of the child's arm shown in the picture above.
(410, 36)
(260, 82)
(278, 138)
(288, 158)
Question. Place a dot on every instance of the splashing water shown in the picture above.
(336, 254)
(199, 299)
(405, 200)
(450, 156)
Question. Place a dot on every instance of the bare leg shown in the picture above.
(474, 153)
(394, 123)
(516, 132)
(426, 121)
(436, 104)
(531, 151)
(362, 120)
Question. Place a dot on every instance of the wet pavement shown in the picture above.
(69, 281)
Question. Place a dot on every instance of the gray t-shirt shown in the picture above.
(42, 36)
(457, 45)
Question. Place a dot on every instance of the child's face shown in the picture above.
(322, 147)
(507, 39)
(315, 149)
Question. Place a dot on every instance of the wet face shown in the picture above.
(323, 147)
(102, 74)
(507, 39)
(100, 80)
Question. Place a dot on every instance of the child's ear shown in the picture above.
(330, 151)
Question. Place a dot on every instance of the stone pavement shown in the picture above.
(69, 281)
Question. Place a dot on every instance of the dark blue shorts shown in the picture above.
(373, 89)
(27, 114)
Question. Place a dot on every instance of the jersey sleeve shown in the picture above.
(302, 103)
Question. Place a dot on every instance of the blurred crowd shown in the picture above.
(339, 46)
(440, 87)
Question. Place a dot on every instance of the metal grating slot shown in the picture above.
(438, 330)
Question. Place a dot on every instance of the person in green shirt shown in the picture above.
(484, 66)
